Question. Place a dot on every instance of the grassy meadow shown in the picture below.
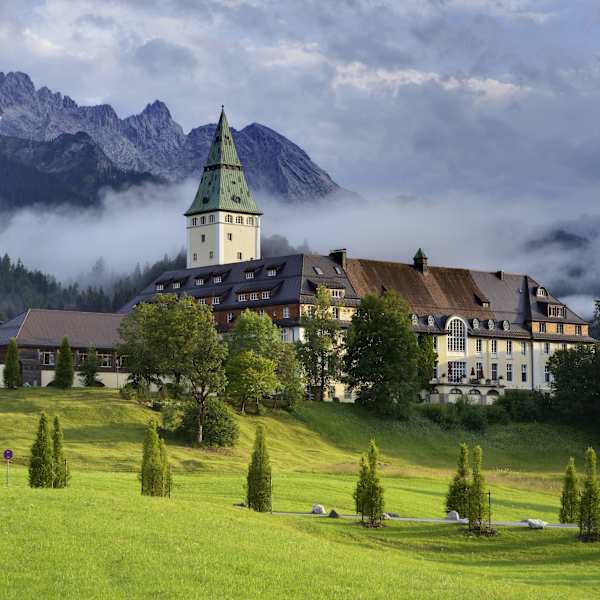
(100, 539)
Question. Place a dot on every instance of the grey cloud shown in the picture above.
(158, 55)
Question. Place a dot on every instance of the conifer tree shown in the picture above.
(589, 509)
(167, 479)
(359, 492)
(258, 495)
(368, 494)
(88, 371)
(458, 492)
(64, 374)
(12, 369)
(59, 462)
(569, 499)
(477, 504)
(40, 464)
(152, 469)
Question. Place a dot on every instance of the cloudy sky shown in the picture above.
(477, 117)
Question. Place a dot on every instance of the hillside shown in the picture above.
(99, 538)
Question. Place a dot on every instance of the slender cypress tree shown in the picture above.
(569, 499)
(166, 476)
(589, 510)
(40, 465)
(373, 493)
(64, 374)
(152, 470)
(361, 485)
(12, 369)
(458, 492)
(258, 495)
(477, 505)
(59, 462)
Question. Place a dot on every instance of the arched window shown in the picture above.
(491, 324)
(457, 335)
(414, 320)
(239, 220)
(475, 323)
(228, 219)
(430, 321)
(455, 392)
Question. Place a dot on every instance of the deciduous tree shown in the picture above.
(426, 360)
(258, 488)
(252, 379)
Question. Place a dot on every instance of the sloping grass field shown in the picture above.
(101, 539)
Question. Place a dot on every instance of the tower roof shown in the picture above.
(223, 185)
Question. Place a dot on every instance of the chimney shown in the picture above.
(500, 275)
(420, 261)
(339, 256)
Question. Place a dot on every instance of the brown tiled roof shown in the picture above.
(46, 328)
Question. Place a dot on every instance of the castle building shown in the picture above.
(492, 331)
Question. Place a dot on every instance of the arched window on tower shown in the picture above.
(239, 220)
(228, 219)
(457, 336)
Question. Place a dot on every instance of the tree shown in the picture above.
(368, 496)
(320, 352)
(458, 492)
(477, 505)
(290, 377)
(382, 355)
(426, 360)
(89, 369)
(252, 378)
(40, 464)
(576, 382)
(589, 507)
(176, 339)
(64, 373)
(166, 476)
(59, 461)
(220, 426)
(569, 499)
(258, 496)
(595, 327)
(12, 369)
(255, 333)
(152, 465)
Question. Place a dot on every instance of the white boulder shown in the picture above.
(536, 523)
(453, 516)
(318, 509)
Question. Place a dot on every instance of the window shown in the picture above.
(415, 320)
(435, 342)
(203, 238)
(286, 312)
(250, 221)
(285, 334)
(524, 373)
(105, 360)
(254, 296)
(475, 323)
(241, 297)
(494, 371)
(249, 274)
(230, 317)
(335, 312)
(577, 329)
(202, 220)
(195, 257)
(509, 372)
(194, 222)
(239, 256)
(337, 269)
(547, 373)
(47, 359)
(563, 347)
(524, 348)
(457, 334)
(560, 328)
(216, 300)
(509, 347)
(201, 300)
(546, 348)
(337, 293)
(435, 371)
(211, 254)
(81, 358)
(239, 220)
(228, 219)
(271, 272)
(265, 295)
(494, 348)
(542, 327)
(218, 279)
(200, 281)
(211, 218)
(478, 346)
(491, 324)
(541, 292)
(479, 370)
(160, 287)
(456, 371)
(558, 312)
(176, 285)
(318, 270)
(430, 321)
(505, 325)
(229, 237)
(261, 311)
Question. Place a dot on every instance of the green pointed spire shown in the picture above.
(223, 185)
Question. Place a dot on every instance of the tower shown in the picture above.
(223, 222)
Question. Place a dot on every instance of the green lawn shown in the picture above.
(101, 539)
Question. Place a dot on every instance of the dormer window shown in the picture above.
(271, 272)
(249, 274)
(254, 296)
(475, 323)
(337, 293)
(505, 325)
(218, 279)
(557, 312)
(265, 295)
(542, 292)
(241, 297)
(491, 324)
(318, 270)
(176, 285)
(216, 300)
(160, 287)
(430, 321)
(338, 270)
(414, 319)
(199, 281)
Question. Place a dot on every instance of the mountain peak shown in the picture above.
(158, 109)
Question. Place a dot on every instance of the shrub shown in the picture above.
(88, 371)
(496, 414)
(526, 405)
(458, 491)
(569, 499)
(40, 465)
(220, 427)
(127, 392)
(155, 474)
(258, 495)
(368, 495)
(478, 510)
(589, 507)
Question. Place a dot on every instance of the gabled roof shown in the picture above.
(46, 328)
(223, 185)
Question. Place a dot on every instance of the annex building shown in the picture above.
(492, 330)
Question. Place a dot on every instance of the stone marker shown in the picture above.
(453, 516)
(318, 509)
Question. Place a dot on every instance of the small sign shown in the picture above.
(8, 454)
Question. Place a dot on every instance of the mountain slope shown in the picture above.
(153, 142)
